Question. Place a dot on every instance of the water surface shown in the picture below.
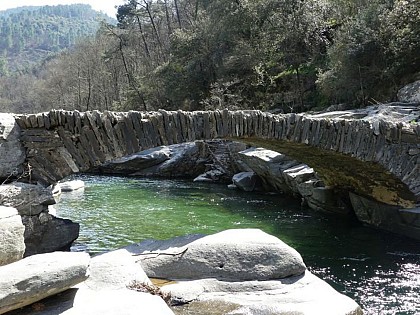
(379, 270)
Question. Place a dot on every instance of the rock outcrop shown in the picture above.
(410, 93)
(12, 152)
(238, 272)
(251, 283)
(279, 173)
(12, 245)
(43, 232)
(37, 277)
(208, 161)
(234, 255)
(105, 292)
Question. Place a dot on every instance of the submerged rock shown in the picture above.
(237, 255)
(12, 245)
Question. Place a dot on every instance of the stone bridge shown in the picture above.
(354, 150)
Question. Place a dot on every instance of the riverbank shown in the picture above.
(243, 270)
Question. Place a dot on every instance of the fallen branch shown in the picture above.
(162, 253)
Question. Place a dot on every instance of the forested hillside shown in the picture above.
(286, 55)
(30, 34)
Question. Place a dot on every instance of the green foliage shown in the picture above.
(374, 53)
(30, 34)
(284, 55)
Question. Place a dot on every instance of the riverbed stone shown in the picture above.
(268, 165)
(246, 181)
(237, 255)
(37, 277)
(305, 294)
(12, 245)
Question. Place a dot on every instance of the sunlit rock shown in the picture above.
(12, 153)
(12, 245)
(236, 255)
(37, 277)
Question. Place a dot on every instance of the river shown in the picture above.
(379, 270)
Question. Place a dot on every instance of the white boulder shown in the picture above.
(237, 255)
(304, 295)
(37, 277)
(12, 245)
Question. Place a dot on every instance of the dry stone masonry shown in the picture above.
(373, 152)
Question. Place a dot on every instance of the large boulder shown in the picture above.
(304, 295)
(12, 245)
(237, 255)
(387, 217)
(207, 160)
(246, 181)
(279, 173)
(114, 270)
(122, 301)
(12, 153)
(106, 291)
(37, 277)
(45, 233)
(269, 166)
(410, 93)
(26, 198)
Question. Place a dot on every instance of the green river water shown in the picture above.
(379, 270)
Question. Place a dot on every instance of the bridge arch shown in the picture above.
(378, 159)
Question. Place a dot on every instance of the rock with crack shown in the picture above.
(236, 255)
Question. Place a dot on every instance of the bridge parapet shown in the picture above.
(383, 153)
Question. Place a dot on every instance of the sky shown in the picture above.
(106, 6)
